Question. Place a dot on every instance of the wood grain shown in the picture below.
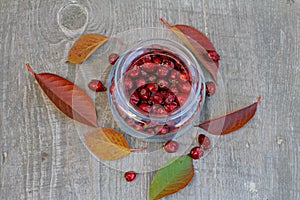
(41, 154)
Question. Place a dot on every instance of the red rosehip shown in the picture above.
(174, 75)
(134, 98)
(163, 71)
(152, 78)
(134, 71)
(149, 67)
(112, 88)
(157, 59)
(196, 153)
(181, 97)
(144, 94)
(174, 89)
(145, 107)
(147, 59)
(171, 107)
(210, 88)
(152, 87)
(169, 64)
(204, 142)
(112, 59)
(185, 87)
(128, 83)
(140, 82)
(214, 55)
(162, 130)
(183, 77)
(171, 146)
(156, 99)
(130, 176)
(96, 86)
(170, 97)
(163, 84)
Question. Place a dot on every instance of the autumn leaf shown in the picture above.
(67, 97)
(107, 143)
(172, 177)
(199, 44)
(230, 122)
(84, 46)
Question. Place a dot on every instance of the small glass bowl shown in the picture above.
(176, 73)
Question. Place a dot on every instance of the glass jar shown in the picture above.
(156, 88)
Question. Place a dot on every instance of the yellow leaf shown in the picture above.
(107, 143)
(84, 46)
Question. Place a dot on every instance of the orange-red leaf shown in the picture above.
(172, 177)
(67, 97)
(84, 46)
(198, 43)
(107, 143)
(230, 122)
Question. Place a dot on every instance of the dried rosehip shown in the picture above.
(171, 146)
(112, 59)
(196, 153)
(204, 142)
(130, 176)
(210, 88)
(96, 86)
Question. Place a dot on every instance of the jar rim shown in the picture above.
(130, 54)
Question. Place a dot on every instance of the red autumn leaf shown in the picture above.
(230, 122)
(199, 44)
(67, 97)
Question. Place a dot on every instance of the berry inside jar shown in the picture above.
(155, 91)
(157, 83)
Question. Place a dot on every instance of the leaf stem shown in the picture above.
(29, 69)
(138, 149)
(165, 23)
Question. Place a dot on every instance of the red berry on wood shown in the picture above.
(210, 88)
(196, 153)
(171, 146)
(204, 141)
(96, 86)
(130, 176)
(214, 56)
(112, 59)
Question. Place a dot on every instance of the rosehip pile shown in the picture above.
(157, 83)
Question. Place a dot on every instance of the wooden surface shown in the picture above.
(42, 156)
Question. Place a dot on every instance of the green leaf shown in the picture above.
(172, 177)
